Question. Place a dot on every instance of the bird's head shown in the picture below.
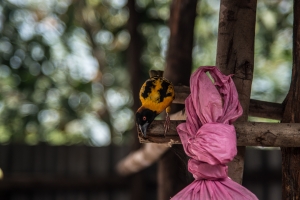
(144, 117)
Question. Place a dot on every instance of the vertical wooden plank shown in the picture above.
(98, 161)
(99, 166)
(118, 152)
(291, 156)
(137, 186)
(61, 168)
(49, 159)
(77, 160)
(179, 55)
(20, 164)
(134, 53)
(77, 166)
(262, 173)
(235, 55)
(4, 157)
(38, 159)
(21, 158)
(61, 160)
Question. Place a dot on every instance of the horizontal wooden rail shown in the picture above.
(181, 93)
(257, 108)
(248, 134)
(265, 109)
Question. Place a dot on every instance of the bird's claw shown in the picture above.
(167, 124)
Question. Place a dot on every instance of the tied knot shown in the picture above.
(214, 144)
(205, 171)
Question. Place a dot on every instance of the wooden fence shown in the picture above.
(45, 172)
(235, 55)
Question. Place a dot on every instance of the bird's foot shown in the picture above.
(167, 124)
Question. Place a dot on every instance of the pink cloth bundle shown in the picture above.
(209, 138)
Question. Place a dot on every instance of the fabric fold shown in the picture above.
(209, 138)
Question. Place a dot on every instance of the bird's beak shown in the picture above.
(144, 128)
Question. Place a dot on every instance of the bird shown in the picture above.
(156, 95)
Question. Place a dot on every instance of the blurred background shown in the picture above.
(67, 99)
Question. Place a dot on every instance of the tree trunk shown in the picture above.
(291, 156)
(134, 53)
(172, 174)
(137, 185)
(235, 55)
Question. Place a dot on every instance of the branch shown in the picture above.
(147, 155)
(181, 93)
(256, 109)
(265, 109)
(248, 134)
(140, 159)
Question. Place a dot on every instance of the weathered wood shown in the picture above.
(151, 152)
(235, 55)
(181, 93)
(265, 109)
(178, 70)
(256, 108)
(26, 182)
(135, 67)
(155, 133)
(291, 156)
(248, 134)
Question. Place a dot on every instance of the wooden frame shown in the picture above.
(235, 55)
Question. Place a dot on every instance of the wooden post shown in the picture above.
(291, 156)
(137, 185)
(171, 170)
(235, 55)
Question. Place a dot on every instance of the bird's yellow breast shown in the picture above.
(156, 94)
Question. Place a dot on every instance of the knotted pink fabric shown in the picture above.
(209, 138)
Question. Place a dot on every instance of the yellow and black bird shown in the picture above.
(156, 95)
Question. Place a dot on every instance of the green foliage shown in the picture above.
(63, 67)
(48, 76)
(273, 50)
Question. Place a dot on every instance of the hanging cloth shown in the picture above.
(209, 138)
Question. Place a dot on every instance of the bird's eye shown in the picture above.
(144, 118)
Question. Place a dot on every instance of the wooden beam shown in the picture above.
(181, 93)
(134, 51)
(171, 170)
(257, 108)
(235, 55)
(291, 156)
(248, 134)
(265, 109)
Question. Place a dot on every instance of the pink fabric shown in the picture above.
(209, 137)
